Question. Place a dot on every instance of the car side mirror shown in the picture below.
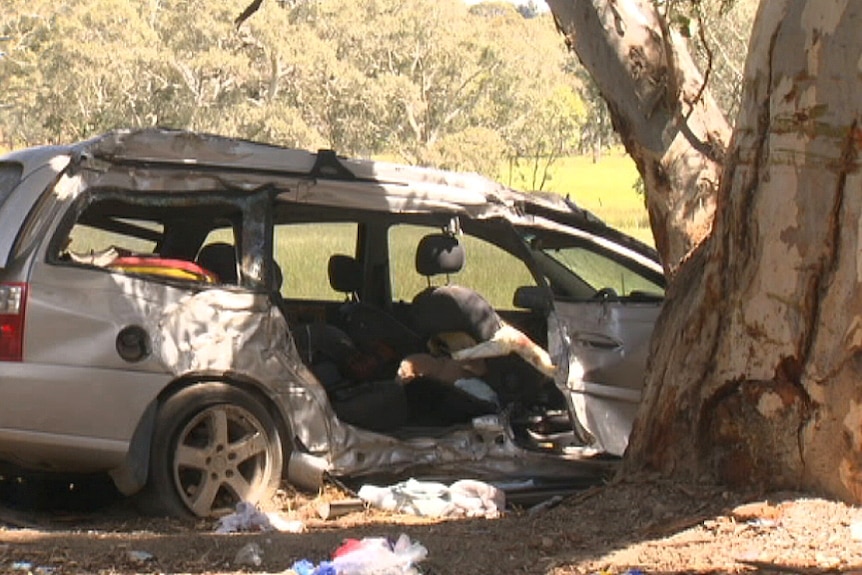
(536, 298)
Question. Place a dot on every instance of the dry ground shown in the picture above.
(651, 525)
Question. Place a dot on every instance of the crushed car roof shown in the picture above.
(419, 188)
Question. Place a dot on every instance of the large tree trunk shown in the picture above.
(757, 363)
(668, 122)
(757, 359)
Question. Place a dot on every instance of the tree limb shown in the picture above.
(248, 12)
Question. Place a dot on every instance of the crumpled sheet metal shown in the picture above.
(409, 188)
(223, 331)
(605, 411)
(485, 451)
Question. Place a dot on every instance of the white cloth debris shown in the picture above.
(248, 517)
(464, 498)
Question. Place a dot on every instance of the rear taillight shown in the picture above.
(13, 301)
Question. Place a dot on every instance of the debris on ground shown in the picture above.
(367, 556)
(465, 498)
(249, 555)
(334, 509)
(249, 517)
(652, 526)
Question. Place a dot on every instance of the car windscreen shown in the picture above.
(577, 267)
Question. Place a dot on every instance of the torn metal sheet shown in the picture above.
(609, 342)
(219, 331)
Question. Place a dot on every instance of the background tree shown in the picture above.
(74, 66)
(551, 131)
(717, 32)
(597, 131)
(667, 119)
(423, 82)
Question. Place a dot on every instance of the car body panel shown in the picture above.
(39, 171)
(609, 342)
(94, 432)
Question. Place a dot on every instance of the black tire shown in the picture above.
(213, 446)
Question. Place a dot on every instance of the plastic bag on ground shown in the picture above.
(248, 517)
(368, 556)
(375, 555)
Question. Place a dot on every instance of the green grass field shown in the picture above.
(606, 188)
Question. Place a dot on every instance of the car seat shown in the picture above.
(445, 315)
(367, 324)
(220, 258)
(449, 308)
(345, 275)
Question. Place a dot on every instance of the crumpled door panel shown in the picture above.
(609, 345)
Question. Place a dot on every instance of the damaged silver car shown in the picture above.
(203, 317)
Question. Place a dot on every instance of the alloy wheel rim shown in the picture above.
(221, 458)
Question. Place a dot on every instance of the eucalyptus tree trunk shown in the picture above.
(669, 123)
(756, 368)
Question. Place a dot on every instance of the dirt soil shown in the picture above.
(649, 525)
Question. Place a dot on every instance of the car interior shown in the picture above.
(361, 337)
(384, 359)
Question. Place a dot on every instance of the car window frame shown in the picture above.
(587, 243)
(236, 207)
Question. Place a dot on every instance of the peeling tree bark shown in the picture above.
(669, 124)
(756, 372)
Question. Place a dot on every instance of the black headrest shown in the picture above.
(439, 254)
(220, 257)
(345, 274)
(277, 276)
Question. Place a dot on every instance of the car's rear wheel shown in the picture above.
(214, 445)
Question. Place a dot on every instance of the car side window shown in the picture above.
(157, 241)
(90, 244)
(302, 251)
(489, 270)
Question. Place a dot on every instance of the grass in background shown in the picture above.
(606, 188)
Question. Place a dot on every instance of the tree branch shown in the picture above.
(248, 12)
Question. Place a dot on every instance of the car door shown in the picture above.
(607, 298)
(608, 343)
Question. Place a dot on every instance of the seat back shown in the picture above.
(367, 323)
(449, 308)
(220, 258)
(345, 275)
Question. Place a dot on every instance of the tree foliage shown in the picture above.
(429, 82)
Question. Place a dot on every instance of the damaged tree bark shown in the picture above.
(669, 123)
(757, 363)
